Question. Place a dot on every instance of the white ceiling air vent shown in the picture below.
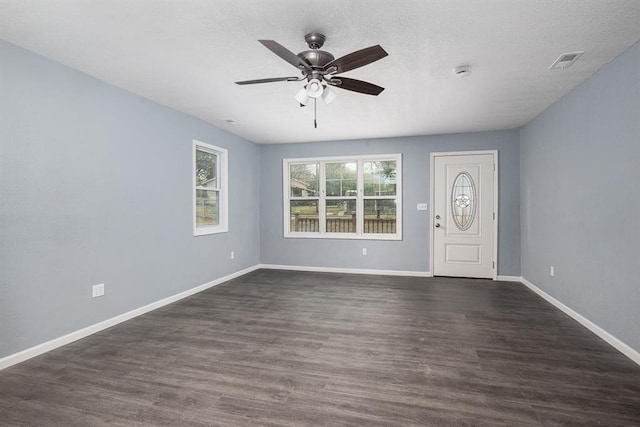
(565, 60)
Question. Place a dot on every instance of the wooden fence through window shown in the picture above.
(343, 224)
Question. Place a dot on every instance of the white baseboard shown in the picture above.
(367, 271)
(347, 270)
(510, 278)
(606, 336)
(39, 349)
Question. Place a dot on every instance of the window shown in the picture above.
(346, 197)
(209, 189)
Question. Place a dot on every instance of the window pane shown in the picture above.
(304, 180)
(380, 216)
(380, 178)
(341, 178)
(206, 173)
(304, 216)
(341, 216)
(206, 208)
(463, 201)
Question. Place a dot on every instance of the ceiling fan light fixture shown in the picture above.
(302, 96)
(328, 95)
(314, 88)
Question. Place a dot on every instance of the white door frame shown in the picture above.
(433, 155)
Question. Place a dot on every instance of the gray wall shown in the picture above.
(412, 253)
(580, 200)
(95, 186)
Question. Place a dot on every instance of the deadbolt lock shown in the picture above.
(437, 216)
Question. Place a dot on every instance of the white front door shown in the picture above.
(464, 219)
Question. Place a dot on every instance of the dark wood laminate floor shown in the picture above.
(277, 348)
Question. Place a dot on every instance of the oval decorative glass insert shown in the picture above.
(463, 201)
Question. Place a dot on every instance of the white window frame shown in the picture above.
(222, 189)
(359, 234)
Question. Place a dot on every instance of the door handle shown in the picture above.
(437, 225)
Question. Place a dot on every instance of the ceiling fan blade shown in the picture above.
(356, 85)
(274, 79)
(357, 59)
(286, 54)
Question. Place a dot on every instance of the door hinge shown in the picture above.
(494, 167)
(494, 216)
(494, 264)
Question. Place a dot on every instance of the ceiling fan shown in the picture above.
(320, 69)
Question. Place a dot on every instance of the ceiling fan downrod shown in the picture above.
(315, 40)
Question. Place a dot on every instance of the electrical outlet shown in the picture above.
(423, 206)
(233, 254)
(98, 290)
(364, 251)
(552, 271)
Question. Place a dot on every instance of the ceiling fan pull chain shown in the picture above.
(315, 106)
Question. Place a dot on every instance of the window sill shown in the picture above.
(210, 230)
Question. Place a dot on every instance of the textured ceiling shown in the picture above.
(187, 54)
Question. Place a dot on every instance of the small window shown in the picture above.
(463, 201)
(209, 189)
(348, 197)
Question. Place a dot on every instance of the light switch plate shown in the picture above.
(97, 290)
(423, 206)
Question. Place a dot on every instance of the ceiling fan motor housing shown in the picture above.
(316, 58)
